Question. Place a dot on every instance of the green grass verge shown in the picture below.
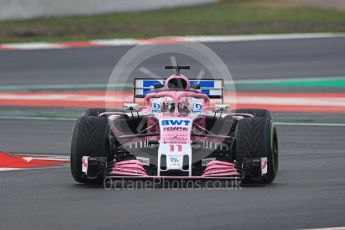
(228, 17)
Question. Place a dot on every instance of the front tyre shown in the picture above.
(256, 138)
(89, 138)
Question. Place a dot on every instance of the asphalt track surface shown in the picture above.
(295, 58)
(308, 192)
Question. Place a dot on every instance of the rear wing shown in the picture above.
(213, 88)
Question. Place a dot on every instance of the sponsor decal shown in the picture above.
(155, 107)
(263, 165)
(144, 160)
(174, 122)
(205, 161)
(197, 107)
(84, 164)
(179, 128)
(174, 161)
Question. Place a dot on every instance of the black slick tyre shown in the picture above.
(89, 138)
(257, 138)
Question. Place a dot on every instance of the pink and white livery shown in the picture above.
(179, 132)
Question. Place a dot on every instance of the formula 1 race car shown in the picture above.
(176, 133)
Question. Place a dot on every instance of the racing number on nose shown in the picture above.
(179, 148)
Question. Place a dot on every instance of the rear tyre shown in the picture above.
(89, 138)
(255, 112)
(257, 138)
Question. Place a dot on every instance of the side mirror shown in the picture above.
(222, 107)
(131, 106)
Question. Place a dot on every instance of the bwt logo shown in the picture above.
(175, 122)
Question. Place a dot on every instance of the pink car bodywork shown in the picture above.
(173, 140)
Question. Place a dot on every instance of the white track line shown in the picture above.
(10, 169)
(309, 124)
(37, 168)
(38, 118)
(115, 42)
(331, 228)
(275, 80)
(32, 46)
(261, 37)
(53, 156)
